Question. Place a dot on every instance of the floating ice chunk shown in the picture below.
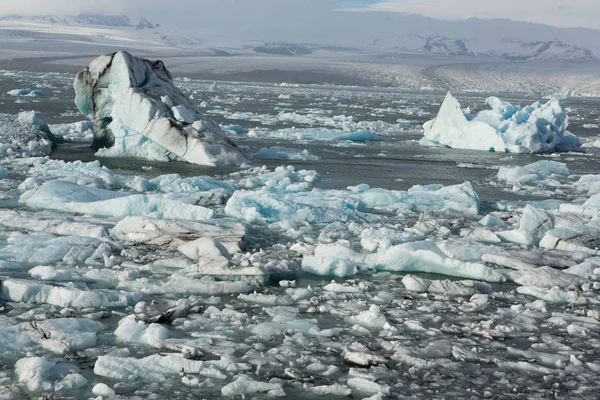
(333, 390)
(132, 331)
(59, 226)
(143, 230)
(63, 335)
(285, 153)
(181, 284)
(243, 386)
(574, 238)
(533, 225)
(372, 239)
(426, 256)
(373, 318)
(205, 248)
(553, 295)
(339, 288)
(533, 258)
(44, 248)
(122, 95)
(328, 266)
(359, 354)
(65, 196)
(87, 174)
(26, 92)
(446, 287)
(326, 206)
(152, 368)
(492, 221)
(102, 389)
(236, 129)
(545, 277)
(47, 273)
(419, 256)
(365, 386)
(75, 131)
(589, 269)
(543, 172)
(533, 129)
(23, 291)
(358, 136)
(41, 374)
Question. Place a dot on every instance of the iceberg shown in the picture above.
(538, 128)
(138, 112)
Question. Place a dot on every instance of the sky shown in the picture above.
(574, 13)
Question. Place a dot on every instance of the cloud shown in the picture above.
(577, 13)
(63, 7)
(291, 13)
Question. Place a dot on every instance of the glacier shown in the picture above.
(138, 112)
(538, 128)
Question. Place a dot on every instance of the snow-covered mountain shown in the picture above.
(439, 45)
(553, 50)
(122, 32)
(507, 49)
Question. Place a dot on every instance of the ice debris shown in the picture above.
(25, 135)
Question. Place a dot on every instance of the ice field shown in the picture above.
(347, 260)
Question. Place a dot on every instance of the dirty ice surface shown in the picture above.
(365, 269)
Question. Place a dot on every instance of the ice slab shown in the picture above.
(39, 373)
(326, 206)
(144, 230)
(538, 128)
(545, 172)
(66, 196)
(419, 256)
(25, 291)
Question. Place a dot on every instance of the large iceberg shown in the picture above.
(538, 128)
(138, 112)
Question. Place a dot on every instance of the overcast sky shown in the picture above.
(574, 13)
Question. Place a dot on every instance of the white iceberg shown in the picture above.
(538, 128)
(138, 112)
